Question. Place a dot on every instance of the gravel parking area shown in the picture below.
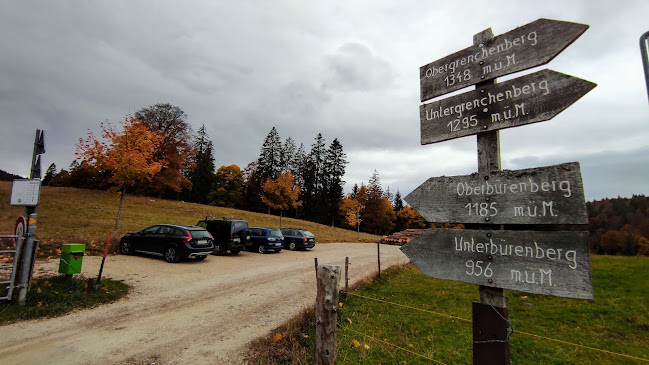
(192, 312)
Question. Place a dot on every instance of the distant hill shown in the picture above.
(5, 176)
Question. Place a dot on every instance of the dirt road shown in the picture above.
(193, 312)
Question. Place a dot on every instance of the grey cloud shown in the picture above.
(354, 67)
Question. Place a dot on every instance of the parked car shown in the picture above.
(298, 239)
(169, 240)
(229, 234)
(264, 239)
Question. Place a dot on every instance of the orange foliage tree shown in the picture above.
(227, 187)
(410, 218)
(127, 155)
(281, 193)
(351, 210)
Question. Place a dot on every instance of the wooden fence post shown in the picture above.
(346, 274)
(378, 255)
(326, 314)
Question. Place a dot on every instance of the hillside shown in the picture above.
(69, 215)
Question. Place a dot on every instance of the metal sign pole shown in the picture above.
(644, 53)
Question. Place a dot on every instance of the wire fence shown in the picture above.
(347, 327)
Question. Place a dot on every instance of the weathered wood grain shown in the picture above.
(326, 314)
(542, 195)
(530, 45)
(528, 99)
(548, 263)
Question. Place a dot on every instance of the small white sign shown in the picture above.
(25, 192)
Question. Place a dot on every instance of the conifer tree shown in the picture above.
(202, 173)
(49, 175)
(269, 163)
(335, 170)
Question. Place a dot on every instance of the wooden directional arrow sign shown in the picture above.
(531, 45)
(528, 99)
(542, 195)
(549, 263)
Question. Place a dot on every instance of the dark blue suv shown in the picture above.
(265, 239)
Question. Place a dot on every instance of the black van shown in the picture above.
(229, 234)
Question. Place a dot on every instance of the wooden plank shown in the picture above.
(528, 99)
(542, 195)
(548, 263)
(531, 45)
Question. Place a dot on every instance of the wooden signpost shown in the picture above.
(529, 99)
(550, 263)
(547, 262)
(531, 45)
(543, 195)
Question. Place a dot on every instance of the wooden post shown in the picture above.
(326, 314)
(315, 261)
(346, 274)
(378, 256)
(496, 349)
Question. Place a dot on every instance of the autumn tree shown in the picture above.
(127, 155)
(351, 210)
(281, 193)
(372, 214)
(175, 151)
(410, 218)
(228, 185)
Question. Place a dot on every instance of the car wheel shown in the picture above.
(291, 246)
(261, 249)
(171, 255)
(200, 258)
(235, 251)
(277, 250)
(125, 248)
(220, 250)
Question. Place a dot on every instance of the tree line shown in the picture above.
(155, 152)
(619, 226)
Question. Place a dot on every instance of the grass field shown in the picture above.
(432, 322)
(68, 215)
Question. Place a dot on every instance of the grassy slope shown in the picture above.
(68, 215)
(617, 320)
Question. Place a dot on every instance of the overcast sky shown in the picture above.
(346, 69)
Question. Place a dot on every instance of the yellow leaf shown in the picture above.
(39, 304)
(349, 320)
(38, 290)
(340, 304)
(356, 344)
(411, 345)
(278, 336)
(366, 346)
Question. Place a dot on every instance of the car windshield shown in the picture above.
(307, 234)
(200, 233)
(275, 233)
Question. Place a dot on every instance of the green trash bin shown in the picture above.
(71, 258)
